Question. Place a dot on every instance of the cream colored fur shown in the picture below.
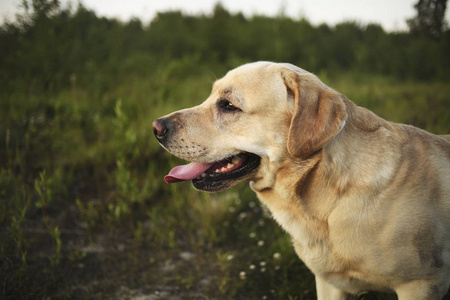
(366, 201)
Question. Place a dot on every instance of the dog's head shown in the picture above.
(256, 117)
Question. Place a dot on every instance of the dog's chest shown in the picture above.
(310, 236)
(311, 239)
(313, 246)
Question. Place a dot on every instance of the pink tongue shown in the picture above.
(186, 172)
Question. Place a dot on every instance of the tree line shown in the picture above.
(49, 47)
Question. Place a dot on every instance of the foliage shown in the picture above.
(85, 211)
(430, 20)
(52, 47)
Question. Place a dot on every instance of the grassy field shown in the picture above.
(86, 213)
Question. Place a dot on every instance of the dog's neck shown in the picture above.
(283, 195)
(306, 191)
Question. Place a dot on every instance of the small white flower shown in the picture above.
(252, 235)
(261, 223)
(242, 275)
(260, 243)
(230, 257)
(263, 270)
(231, 209)
(262, 264)
(252, 267)
(252, 204)
(276, 256)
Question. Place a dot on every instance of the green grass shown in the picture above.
(86, 213)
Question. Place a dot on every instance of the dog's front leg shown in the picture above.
(326, 291)
(422, 290)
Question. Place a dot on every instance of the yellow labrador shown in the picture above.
(366, 201)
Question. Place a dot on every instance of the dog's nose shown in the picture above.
(159, 128)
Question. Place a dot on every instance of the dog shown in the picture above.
(366, 201)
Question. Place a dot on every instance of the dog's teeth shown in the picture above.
(236, 159)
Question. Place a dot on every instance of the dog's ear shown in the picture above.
(319, 113)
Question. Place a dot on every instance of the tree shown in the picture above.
(430, 18)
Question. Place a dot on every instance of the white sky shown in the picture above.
(391, 14)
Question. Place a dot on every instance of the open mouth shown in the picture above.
(216, 176)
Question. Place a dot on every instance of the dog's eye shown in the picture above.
(227, 105)
(230, 106)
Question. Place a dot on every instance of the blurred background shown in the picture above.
(84, 210)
